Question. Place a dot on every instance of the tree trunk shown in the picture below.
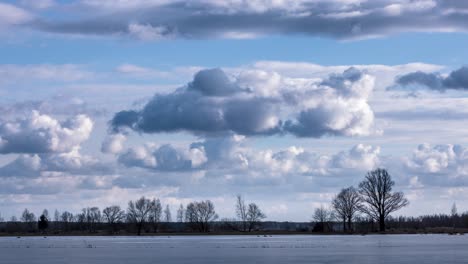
(382, 223)
(344, 225)
(350, 224)
(139, 226)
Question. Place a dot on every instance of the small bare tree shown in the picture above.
(138, 212)
(29, 218)
(322, 216)
(45, 213)
(254, 216)
(380, 201)
(56, 215)
(167, 214)
(346, 205)
(180, 213)
(454, 210)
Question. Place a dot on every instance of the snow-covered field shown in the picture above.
(419, 249)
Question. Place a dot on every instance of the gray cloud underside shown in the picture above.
(207, 19)
(457, 80)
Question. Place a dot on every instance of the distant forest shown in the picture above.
(366, 208)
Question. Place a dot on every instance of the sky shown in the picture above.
(282, 102)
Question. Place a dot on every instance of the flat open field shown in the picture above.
(425, 249)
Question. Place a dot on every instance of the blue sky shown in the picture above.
(104, 101)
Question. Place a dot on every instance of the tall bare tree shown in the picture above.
(254, 216)
(346, 205)
(241, 212)
(138, 212)
(155, 214)
(380, 201)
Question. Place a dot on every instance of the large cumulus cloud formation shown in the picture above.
(39, 133)
(439, 165)
(258, 103)
(47, 146)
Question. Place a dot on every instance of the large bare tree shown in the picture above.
(200, 214)
(113, 215)
(379, 200)
(346, 205)
(138, 212)
(254, 216)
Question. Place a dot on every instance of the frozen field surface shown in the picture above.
(419, 249)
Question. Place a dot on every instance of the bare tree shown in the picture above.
(45, 213)
(155, 214)
(207, 214)
(56, 216)
(380, 201)
(66, 218)
(346, 205)
(90, 217)
(113, 215)
(191, 214)
(454, 214)
(200, 214)
(1, 218)
(138, 212)
(254, 215)
(322, 216)
(167, 214)
(29, 218)
(180, 213)
(454, 210)
(241, 212)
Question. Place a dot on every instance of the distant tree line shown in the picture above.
(141, 216)
(362, 209)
